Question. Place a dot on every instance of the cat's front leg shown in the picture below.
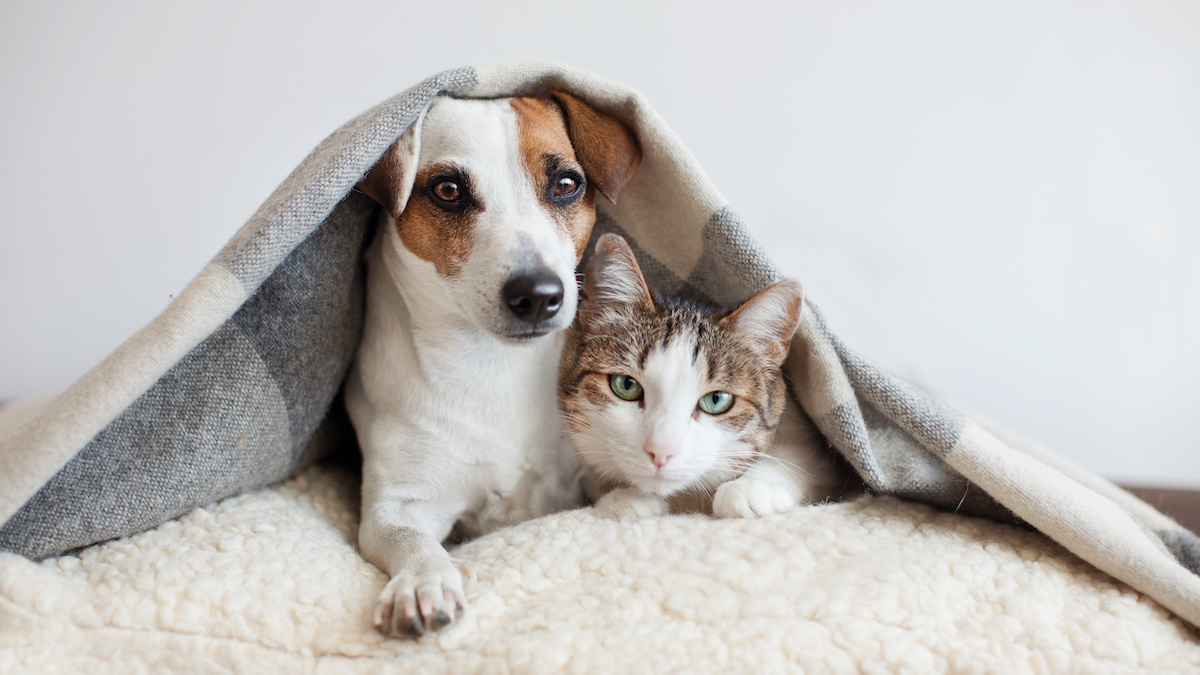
(767, 487)
(630, 504)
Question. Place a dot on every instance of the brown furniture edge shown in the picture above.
(1182, 505)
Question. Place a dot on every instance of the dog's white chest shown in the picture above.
(460, 421)
(509, 442)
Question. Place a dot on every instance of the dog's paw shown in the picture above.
(629, 504)
(422, 599)
(750, 497)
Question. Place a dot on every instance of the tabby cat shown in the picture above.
(674, 405)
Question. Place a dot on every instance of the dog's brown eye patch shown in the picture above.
(437, 228)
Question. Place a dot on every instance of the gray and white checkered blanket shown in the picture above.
(226, 389)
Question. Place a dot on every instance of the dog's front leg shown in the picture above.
(425, 592)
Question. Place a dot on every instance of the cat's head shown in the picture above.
(665, 395)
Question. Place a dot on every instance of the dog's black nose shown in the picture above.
(534, 296)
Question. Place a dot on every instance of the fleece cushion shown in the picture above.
(270, 581)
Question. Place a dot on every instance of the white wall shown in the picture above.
(998, 199)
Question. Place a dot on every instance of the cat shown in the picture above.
(672, 405)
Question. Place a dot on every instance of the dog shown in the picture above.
(487, 208)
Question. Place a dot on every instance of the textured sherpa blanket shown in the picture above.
(224, 391)
(270, 582)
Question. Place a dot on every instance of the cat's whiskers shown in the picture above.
(585, 429)
(706, 491)
(795, 468)
(584, 423)
(600, 446)
(599, 440)
(728, 459)
(612, 474)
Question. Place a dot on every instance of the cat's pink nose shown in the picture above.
(660, 452)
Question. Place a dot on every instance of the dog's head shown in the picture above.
(496, 198)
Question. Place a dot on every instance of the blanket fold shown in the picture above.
(223, 391)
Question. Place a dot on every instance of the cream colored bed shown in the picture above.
(270, 582)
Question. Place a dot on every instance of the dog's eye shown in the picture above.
(567, 184)
(447, 190)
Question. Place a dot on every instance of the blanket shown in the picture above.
(269, 581)
(227, 389)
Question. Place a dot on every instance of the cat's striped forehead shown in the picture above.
(622, 339)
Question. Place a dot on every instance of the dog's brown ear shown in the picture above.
(390, 181)
(607, 149)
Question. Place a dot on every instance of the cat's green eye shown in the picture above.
(716, 402)
(625, 386)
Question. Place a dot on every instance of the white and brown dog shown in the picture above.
(488, 205)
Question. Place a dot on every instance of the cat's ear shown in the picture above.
(771, 317)
(613, 275)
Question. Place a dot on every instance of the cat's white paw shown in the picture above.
(751, 497)
(629, 504)
(421, 599)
